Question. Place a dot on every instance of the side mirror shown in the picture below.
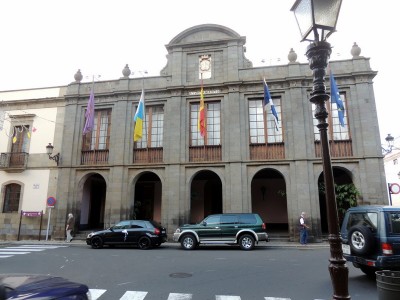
(204, 223)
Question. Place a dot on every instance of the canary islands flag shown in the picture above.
(139, 118)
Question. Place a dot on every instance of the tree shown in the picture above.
(346, 197)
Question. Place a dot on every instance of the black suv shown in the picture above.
(244, 229)
(143, 233)
(371, 238)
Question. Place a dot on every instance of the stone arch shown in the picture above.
(92, 189)
(146, 197)
(269, 199)
(341, 176)
(205, 195)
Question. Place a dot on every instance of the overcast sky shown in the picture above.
(44, 42)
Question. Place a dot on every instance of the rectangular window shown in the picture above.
(212, 136)
(335, 130)
(153, 128)
(20, 139)
(262, 123)
(99, 138)
(11, 198)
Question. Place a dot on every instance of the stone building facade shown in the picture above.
(243, 163)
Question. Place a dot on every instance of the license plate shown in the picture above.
(345, 249)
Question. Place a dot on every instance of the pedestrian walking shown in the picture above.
(70, 227)
(303, 224)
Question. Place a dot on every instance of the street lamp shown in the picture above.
(49, 150)
(390, 145)
(318, 18)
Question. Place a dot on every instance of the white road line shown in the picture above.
(96, 293)
(40, 246)
(4, 256)
(274, 298)
(223, 297)
(178, 296)
(130, 295)
(22, 249)
(5, 252)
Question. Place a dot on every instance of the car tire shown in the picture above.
(97, 243)
(361, 240)
(188, 242)
(369, 271)
(246, 242)
(144, 243)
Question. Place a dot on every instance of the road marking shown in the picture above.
(130, 295)
(4, 256)
(5, 252)
(273, 298)
(23, 249)
(223, 297)
(178, 296)
(96, 293)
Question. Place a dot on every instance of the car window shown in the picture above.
(123, 225)
(394, 218)
(247, 219)
(212, 220)
(369, 219)
(137, 224)
(229, 219)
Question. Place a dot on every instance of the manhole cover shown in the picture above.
(180, 275)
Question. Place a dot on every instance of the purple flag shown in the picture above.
(89, 114)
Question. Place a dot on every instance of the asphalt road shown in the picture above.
(169, 273)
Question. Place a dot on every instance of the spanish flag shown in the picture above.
(202, 119)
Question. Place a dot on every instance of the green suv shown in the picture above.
(243, 229)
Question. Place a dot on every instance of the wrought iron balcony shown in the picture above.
(14, 161)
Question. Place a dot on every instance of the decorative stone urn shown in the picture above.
(78, 76)
(355, 50)
(292, 56)
(126, 71)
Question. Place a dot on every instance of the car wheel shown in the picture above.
(97, 243)
(246, 242)
(361, 240)
(369, 271)
(144, 243)
(188, 242)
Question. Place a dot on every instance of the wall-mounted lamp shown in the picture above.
(49, 150)
(390, 145)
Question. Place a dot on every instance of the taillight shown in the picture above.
(264, 226)
(157, 231)
(387, 249)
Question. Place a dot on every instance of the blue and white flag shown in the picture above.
(335, 98)
(268, 102)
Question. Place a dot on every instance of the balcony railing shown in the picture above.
(205, 153)
(94, 157)
(337, 148)
(267, 151)
(148, 155)
(14, 161)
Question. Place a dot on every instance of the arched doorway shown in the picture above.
(205, 196)
(147, 199)
(93, 203)
(340, 176)
(268, 199)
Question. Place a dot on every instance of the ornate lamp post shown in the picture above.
(318, 18)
